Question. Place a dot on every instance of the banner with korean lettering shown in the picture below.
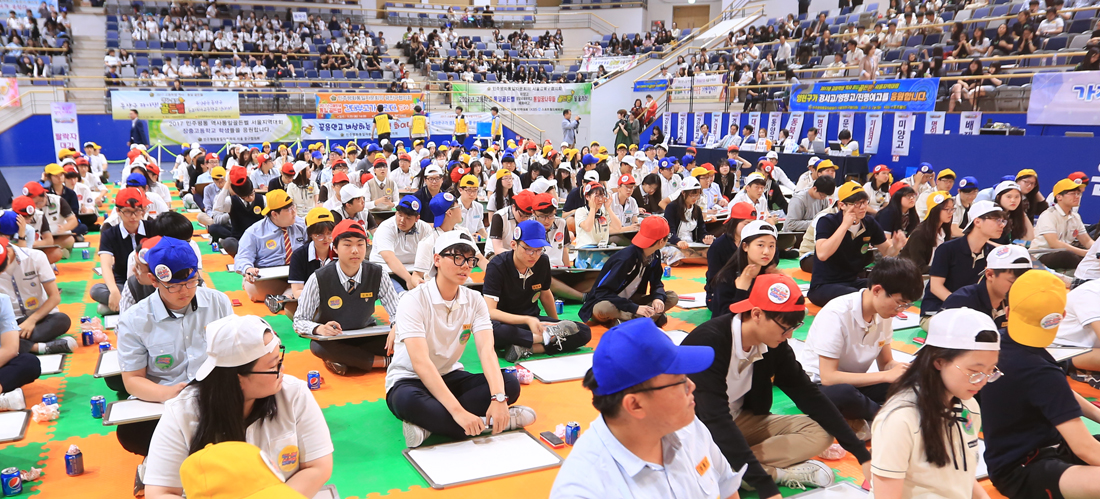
(846, 121)
(1064, 98)
(794, 125)
(66, 134)
(709, 88)
(872, 132)
(348, 106)
(610, 64)
(934, 123)
(22, 6)
(530, 98)
(754, 122)
(821, 122)
(681, 128)
(912, 95)
(175, 105)
(903, 128)
(658, 85)
(774, 122)
(245, 130)
(438, 124)
(970, 122)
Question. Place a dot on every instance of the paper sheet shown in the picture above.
(132, 411)
(912, 319)
(82, 245)
(481, 458)
(352, 333)
(693, 300)
(110, 321)
(898, 356)
(108, 364)
(676, 335)
(842, 490)
(51, 364)
(560, 368)
(1063, 353)
(280, 272)
(982, 471)
(13, 424)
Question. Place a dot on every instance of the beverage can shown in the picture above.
(510, 370)
(74, 463)
(314, 380)
(572, 432)
(49, 398)
(86, 254)
(104, 346)
(13, 483)
(87, 337)
(214, 246)
(99, 406)
(668, 271)
(559, 306)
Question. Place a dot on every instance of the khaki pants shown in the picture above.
(782, 441)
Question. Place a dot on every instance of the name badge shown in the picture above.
(703, 466)
(366, 295)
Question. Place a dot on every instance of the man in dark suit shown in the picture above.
(139, 130)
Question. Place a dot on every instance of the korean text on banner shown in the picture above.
(343, 106)
(774, 122)
(970, 122)
(659, 85)
(9, 93)
(934, 123)
(440, 124)
(610, 64)
(754, 122)
(847, 119)
(22, 6)
(916, 95)
(716, 126)
(1065, 99)
(794, 125)
(681, 128)
(65, 131)
(872, 133)
(899, 142)
(821, 122)
(533, 98)
(699, 87)
(666, 124)
(246, 130)
(175, 105)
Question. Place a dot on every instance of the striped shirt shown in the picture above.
(310, 299)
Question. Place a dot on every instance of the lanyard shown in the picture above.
(18, 295)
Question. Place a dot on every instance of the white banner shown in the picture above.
(847, 121)
(899, 142)
(794, 125)
(775, 120)
(611, 64)
(821, 122)
(716, 125)
(299, 17)
(735, 123)
(200, 105)
(681, 128)
(698, 127)
(65, 132)
(253, 129)
(970, 122)
(525, 98)
(754, 122)
(934, 123)
(872, 133)
(666, 124)
(703, 87)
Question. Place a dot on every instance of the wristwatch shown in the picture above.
(500, 397)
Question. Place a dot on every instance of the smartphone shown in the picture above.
(551, 439)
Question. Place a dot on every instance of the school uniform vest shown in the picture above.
(353, 310)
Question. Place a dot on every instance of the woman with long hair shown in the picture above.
(931, 418)
(878, 189)
(1009, 196)
(502, 194)
(563, 176)
(756, 254)
(302, 190)
(657, 136)
(728, 177)
(901, 212)
(240, 394)
(686, 226)
(649, 195)
(725, 245)
(1028, 181)
(932, 232)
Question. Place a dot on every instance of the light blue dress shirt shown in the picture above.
(261, 245)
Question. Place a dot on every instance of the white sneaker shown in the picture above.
(813, 472)
(520, 416)
(414, 435)
(14, 401)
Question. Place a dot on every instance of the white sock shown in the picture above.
(546, 338)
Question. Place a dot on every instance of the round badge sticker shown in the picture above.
(256, 210)
(271, 244)
(554, 201)
(1077, 181)
(449, 197)
(779, 293)
(163, 273)
(30, 210)
(516, 233)
(559, 237)
(415, 204)
(32, 302)
(1051, 321)
(938, 199)
(26, 192)
(335, 302)
(288, 458)
(963, 183)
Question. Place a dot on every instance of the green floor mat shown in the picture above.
(368, 441)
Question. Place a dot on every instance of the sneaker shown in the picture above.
(560, 331)
(336, 368)
(274, 303)
(64, 344)
(861, 428)
(139, 483)
(517, 353)
(660, 320)
(13, 400)
(520, 416)
(1088, 377)
(813, 472)
(414, 435)
(104, 310)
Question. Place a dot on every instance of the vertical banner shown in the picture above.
(754, 122)
(698, 125)
(666, 124)
(681, 128)
(872, 132)
(934, 123)
(775, 120)
(970, 122)
(65, 133)
(716, 126)
(821, 122)
(794, 125)
(899, 142)
(735, 123)
(847, 121)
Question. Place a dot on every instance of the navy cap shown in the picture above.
(439, 205)
(589, 159)
(137, 179)
(687, 159)
(667, 162)
(968, 183)
(636, 351)
(171, 256)
(410, 202)
(926, 168)
(1008, 178)
(508, 158)
(8, 224)
(533, 233)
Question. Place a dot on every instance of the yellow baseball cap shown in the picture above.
(93, 144)
(54, 169)
(65, 153)
(699, 171)
(1026, 172)
(935, 198)
(1035, 308)
(826, 164)
(471, 181)
(1066, 185)
(620, 146)
(217, 172)
(234, 469)
(501, 172)
(945, 173)
(319, 214)
(276, 199)
(849, 189)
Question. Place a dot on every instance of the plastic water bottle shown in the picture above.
(97, 325)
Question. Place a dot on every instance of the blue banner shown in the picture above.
(651, 86)
(1065, 99)
(913, 95)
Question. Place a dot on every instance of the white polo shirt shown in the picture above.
(558, 236)
(1089, 268)
(761, 203)
(625, 212)
(1082, 309)
(22, 280)
(601, 227)
(447, 325)
(297, 434)
(1066, 226)
(425, 250)
(739, 375)
(403, 244)
(839, 332)
(473, 218)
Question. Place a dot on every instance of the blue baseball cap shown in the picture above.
(170, 258)
(636, 351)
(687, 159)
(439, 205)
(424, 163)
(1008, 178)
(666, 162)
(317, 155)
(410, 202)
(373, 148)
(508, 158)
(647, 147)
(137, 179)
(8, 224)
(589, 159)
(531, 232)
(968, 183)
(925, 168)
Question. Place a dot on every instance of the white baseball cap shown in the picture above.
(433, 170)
(451, 238)
(541, 185)
(956, 328)
(592, 176)
(813, 161)
(754, 176)
(757, 228)
(772, 155)
(234, 341)
(299, 166)
(978, 209)
(690, 184)
(1009, 256)
(350, 192)
(1005, 186)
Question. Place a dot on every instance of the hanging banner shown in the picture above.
(1064, 98)
(775, 121)
(872, 132)
(970, 122)
(716, 126)
(847, 121)
(754, 122)
(794, 125)
(438, 124)
(912, 95)
(681, 128)
(821, 122)
(9, 93)
(22, 6)
(532, 98)
(666, 124)
(610, 64)
(899, 143)
(65, 132)
(659, 85)
(709, 88)
(245, 130)
(175, 105)
(348, 106)
(934, 123)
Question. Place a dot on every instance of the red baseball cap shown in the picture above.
(458, 172)
(651, 230)
(532, 145)
(708, 166)
(525, 201)
(261, 158)
(404, 156)
(346, 226)
(81, 161)
(23, 205)
(288, 168)
(365, 177)
(71, 169)
(743, 211)
(131, 197)
(1079, 177)
(772, 293)
(133, 154)
(692, 151)
(544, 201)
(880, 169)
(897, 187)
(33, 189)
(627, 179)
(340, 177)
(210, 156)
(733, 148)
(153, 168)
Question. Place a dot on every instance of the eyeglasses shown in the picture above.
(662, 387)
(132, 213)
(461, 261)
(278, 370)
(902, 305)
(529, 250)
(176, 288)
(997, 220)
(977, 377)
(787, 329)
(545, 217)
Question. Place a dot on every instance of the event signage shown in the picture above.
(708, 87)
(438, 124)
(175, 105)
(775, 121)
(658, 85)
(610, 64)
(970, 122)
(935, 122)
(794, 125)
(716, 126)
(349, 106)
(912, 95)
(1065, 98)
(903, 129)
(666, 125)
(22, 6)
(66, 134)
(821, 122)
(699, 127)
(520, 98)
(735, 123)
(681, 128)
(872, 133)
(847, 118)
(245, 130)
(754, 122)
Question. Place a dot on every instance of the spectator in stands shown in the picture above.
(1091, 61)
(1052, 25)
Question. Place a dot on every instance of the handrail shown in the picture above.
(759, 11)
(995, 58)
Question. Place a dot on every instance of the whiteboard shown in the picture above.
(132, 411)
(676, 335)
(842, 490)
(690, 301)
(51, 364)
(481, 458)
(13, 425)
(560, 368)
(110, 321)
(327, 492)
(912, 319)
(280, 272)
(107, 365)
(1063, 353)
(351, 333)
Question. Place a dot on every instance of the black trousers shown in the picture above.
(411, 401)
(506, 335)
(20, 370)
(775, 197)
(824, 293)
(135, 437)
(461, 139)
(48, 329)
(861, 402)
(353, 352)
(1061, 260)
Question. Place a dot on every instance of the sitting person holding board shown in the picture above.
(241, 394)
(686, 226)
(270, 243)
(426, 387)
(116, 242)
(1081, 328)
(17, 367)
(620, 290)
(309, 257)
(341, 297)
(854, 330)
(395, 241)
(516, 283)
(733, 396)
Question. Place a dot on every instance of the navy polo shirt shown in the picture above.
(1021, 410)
(851, 257)
(958, 266)
(974, 296)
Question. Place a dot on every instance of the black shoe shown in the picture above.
(336, 368)
(660, 320)
(274, 303)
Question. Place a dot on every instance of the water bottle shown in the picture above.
(97, 325)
